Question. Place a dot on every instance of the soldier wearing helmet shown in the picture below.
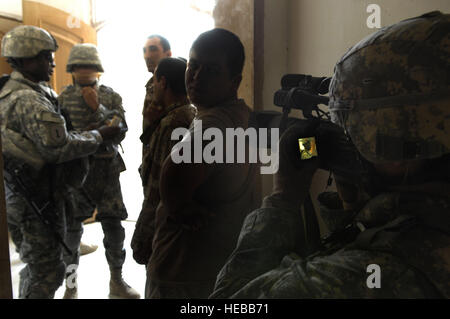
(86, 104)
(391, 231)
(36, 145)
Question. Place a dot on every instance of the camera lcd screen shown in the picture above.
(307, 146)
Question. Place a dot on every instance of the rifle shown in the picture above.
(19, 182)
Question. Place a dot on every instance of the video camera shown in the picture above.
(330, 144)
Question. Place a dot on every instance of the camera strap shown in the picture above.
(312, 230)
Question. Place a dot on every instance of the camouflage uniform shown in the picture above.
(402, 237)
(145, 224)
(35, 134)
(390, 94)
(145, 136)
(158, 148)
(147, 101)
(102, 185)
(101, 188)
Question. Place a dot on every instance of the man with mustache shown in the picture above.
(156, 48)
(203, 204)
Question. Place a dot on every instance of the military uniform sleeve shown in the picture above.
(165, 143)
(117, 106)
(342, 275)
(267, 235)
(145, 225)
(47, 129)
(266, 264)
(144, 231)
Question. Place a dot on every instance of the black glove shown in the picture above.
(108, 132)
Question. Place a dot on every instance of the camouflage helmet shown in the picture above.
(27, 41)
(391, 91)
(84, 54)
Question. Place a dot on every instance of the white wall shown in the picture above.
(309, 36)
(275, 48)
(321, 31)
(77, 8)
(275, 61)
(237, 17)
(11, 8)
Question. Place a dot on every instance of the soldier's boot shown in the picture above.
(87, 249)
(71, 293)
(118, 288)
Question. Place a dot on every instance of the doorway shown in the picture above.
(124, 28)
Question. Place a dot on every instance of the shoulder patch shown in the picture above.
(52, 128)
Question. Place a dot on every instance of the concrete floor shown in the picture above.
(93, 271)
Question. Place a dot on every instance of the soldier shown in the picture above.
(169, 92)
(390, 94)
(87, 104)
(35, 141)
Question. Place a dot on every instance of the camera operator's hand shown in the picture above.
(108, 132)
(294, 176)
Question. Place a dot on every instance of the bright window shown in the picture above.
(127, 24)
